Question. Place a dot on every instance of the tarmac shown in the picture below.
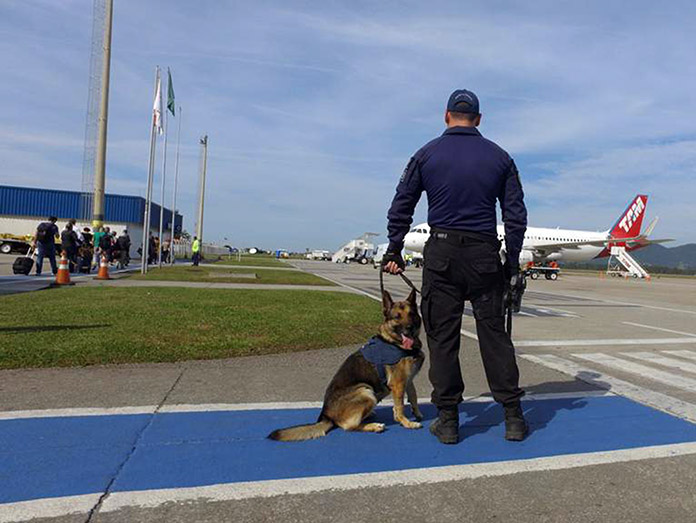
(609, 367)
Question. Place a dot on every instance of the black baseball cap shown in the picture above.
(463, 101)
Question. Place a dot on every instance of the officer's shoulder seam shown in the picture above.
(424, 152)
(496, 146)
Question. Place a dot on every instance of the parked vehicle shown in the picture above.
(10, 243)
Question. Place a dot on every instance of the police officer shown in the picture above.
(463, 174)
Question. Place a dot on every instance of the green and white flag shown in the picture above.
(170, 93)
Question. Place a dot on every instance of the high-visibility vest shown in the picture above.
(196, 246)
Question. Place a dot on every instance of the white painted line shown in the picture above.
(522, 313)
(293, 486)
(48, 507)
(592, 343)
(652, 357)
(232, 407)
(69, 412)
(601, 300)
(213, 407)
(688, 354)
(469, 334)
(354, 289)
(658, 328)
(668, 378)
(642, 395)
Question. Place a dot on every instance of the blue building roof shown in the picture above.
(29, 201)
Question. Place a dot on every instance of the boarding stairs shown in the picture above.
(623, 264)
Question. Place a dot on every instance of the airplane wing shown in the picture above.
(556, 247)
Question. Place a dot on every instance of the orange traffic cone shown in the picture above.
(103, 273)
(63, 274)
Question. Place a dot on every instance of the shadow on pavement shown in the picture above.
(478, 417)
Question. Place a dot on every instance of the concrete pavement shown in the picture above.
(566, 320)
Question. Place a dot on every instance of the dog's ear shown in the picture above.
(412, 297)
(387, 303)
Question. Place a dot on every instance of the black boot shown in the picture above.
(446, 426)
(515, 425)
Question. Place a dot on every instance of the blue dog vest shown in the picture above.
(380, 353)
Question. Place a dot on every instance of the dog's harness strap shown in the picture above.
(380, 353)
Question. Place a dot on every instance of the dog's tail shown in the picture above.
(303, 432)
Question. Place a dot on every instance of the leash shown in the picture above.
(403, 277)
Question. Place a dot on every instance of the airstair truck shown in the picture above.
(359, 250)
(621, 259)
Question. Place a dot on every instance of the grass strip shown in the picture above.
(255, 260)
(99, 325)
(216, 275)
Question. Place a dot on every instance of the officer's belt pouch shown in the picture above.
(437, 264)
(485, 266)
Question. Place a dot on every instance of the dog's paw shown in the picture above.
(375, 427)
(412, 425)
(418, 415)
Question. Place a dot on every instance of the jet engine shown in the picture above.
(526, 257)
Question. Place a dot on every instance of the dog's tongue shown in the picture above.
(406, 342)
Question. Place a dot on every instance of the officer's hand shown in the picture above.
(511, 270)
(393, 263)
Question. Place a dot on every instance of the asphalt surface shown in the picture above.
(631, 331)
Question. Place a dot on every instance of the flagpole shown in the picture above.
(176, 180)
(148, 193)
(164, 175)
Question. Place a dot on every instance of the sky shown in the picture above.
(314, 108)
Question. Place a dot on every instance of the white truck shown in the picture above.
(318, 255)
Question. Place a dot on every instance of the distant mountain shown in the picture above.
(682, 257)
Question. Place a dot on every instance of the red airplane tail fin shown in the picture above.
(629, 223)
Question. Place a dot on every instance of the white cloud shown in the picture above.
(313, 111)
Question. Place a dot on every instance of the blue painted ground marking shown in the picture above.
(50, 457)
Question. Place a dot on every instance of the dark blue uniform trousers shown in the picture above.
(460, 268)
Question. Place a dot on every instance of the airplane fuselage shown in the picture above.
(544, 244)
(534, 241)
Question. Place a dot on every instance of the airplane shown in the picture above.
(546, 245)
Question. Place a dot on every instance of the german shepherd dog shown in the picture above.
(357, 386)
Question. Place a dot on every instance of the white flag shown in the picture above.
(157, 108)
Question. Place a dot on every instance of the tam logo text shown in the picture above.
(632, 215)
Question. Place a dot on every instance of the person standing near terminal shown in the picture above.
(463, 174)
(45, 244)
(68, 244)
(123, 244)
(196, 250)
(96, 241)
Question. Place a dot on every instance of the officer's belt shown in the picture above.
(462, 237)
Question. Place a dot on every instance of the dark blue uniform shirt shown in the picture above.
(462, 174)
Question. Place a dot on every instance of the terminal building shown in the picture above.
(23, 208)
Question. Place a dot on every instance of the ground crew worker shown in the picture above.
(463, 174)
(196, 250)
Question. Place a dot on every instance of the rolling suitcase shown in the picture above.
(24, 264)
